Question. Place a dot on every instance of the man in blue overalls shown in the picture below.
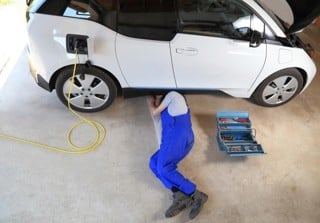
(176, 142)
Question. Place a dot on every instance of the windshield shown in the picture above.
(282, 24)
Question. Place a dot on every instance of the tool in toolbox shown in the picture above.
(233, 120)
(235, 135)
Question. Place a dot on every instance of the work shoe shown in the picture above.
(180, 202)
(199, 198)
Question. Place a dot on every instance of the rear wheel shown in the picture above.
(92, 91)
(279, 88)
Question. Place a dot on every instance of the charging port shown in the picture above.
(77, 42)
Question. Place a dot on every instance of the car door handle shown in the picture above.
(187, 51)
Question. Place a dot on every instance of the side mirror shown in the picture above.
(256, 39)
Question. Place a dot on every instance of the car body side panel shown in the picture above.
(204, 62)
(145, 63)
(47, 44)
(281, 57)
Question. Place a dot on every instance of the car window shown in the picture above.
(49, 7)
(81, 9)
(221, 18)
(147, 19)
(102, 11)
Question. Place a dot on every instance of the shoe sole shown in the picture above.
(175, 212)
(198, 207)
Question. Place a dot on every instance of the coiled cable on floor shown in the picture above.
(98, 128)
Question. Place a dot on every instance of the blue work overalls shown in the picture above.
(176, 142)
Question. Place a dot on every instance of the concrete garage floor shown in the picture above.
(114, 183)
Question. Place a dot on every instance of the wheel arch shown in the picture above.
(304, 76)
(300, 70)
(55, 75)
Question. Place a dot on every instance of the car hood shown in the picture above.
(304, 13)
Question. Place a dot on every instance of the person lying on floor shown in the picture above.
(177, 140)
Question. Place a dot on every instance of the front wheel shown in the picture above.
(279, 88)
(92, 90)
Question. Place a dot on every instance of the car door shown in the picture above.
(145, 29)
(212, 50)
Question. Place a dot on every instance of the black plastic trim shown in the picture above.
(43, 83)
(77, 43)
(285, 41)
(137, 92)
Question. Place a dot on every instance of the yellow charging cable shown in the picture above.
(100, 131)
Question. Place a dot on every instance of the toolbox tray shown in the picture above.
(235, 135)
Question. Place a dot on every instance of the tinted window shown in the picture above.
(225, 18)
(102, 11)
(51, 7)
(147, 19)
(79, 9)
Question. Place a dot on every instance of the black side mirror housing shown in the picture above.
(256, 39)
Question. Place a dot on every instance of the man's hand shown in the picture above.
(152, 105)
(151, 101)
(155, 109)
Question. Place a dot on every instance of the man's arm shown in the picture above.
(155, 110)
(158, 109)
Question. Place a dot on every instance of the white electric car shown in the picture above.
(141, 47)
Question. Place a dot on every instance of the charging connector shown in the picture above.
(77, 44)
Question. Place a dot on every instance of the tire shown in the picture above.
(93, 90)
(279, 88)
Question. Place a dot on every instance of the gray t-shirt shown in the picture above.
(176, 103)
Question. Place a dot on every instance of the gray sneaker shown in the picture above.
(199, 198)
(180, 202)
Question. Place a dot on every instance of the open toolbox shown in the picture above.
(235, 134)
